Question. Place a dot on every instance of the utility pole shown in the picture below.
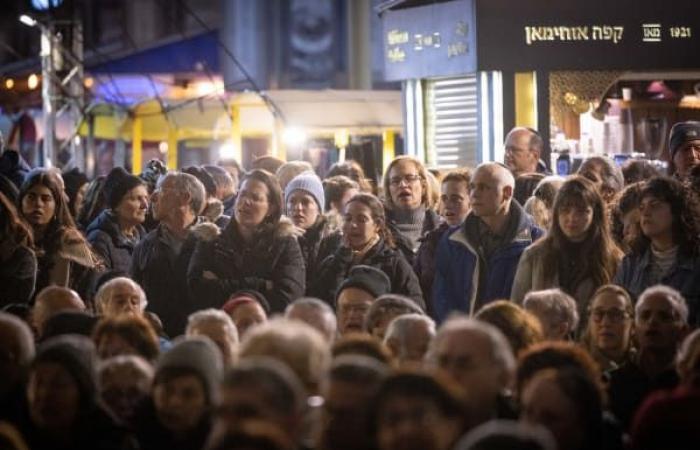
(48, 92)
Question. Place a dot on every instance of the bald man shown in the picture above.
(476, 263)
(52, 300)
(523, 150)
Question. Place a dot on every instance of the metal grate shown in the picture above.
(452, 122)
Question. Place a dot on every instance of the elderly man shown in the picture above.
(51, 301)
(476, 263)
(478, 357)
(556, 310)
(408, 337)
(661, 316)
(523, 150)
(355, 296)
(316, 313)
(120, 295)
(160, 260)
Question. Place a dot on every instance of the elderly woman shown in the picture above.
(117, 230)
(217, 326)
(120, 295)
(556, 310)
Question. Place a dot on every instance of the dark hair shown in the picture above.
(94, 202)
(602, 254)
(335, 187)
(136, 331)
(274, 194)
(378, 215)
(628, 200)
(353, 170)
(635, 170)
(685, 228)
(525, 185)
(13, 228)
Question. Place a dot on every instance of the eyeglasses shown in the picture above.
(615, 315)
(408, 179)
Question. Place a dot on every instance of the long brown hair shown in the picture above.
(377, 210)
(599, 261)
(13, 229)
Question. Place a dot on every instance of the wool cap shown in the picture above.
(682, 133)
(118, 183)
(368, 279)
(196, 354)
(310, 183)
(245, 296)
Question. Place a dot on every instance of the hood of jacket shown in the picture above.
(213, 209)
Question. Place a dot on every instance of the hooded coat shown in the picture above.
(271, 264)
(110, 243)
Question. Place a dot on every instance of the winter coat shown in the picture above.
(271, 264)
(163, 275)
(684, 276)
(17, 276)
(316, 244)
(459, 267)
(336, 268)
(14, 167)
(214, 213)
(109, 242)
(152, 435)
(424, 265)
(430, 222)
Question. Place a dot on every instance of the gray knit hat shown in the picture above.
(199, 355)
(308, 182)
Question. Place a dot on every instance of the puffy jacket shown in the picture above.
(336, 268)
(272, 265)
(684, 276)
(459, 266)
(109, 242)
(317, 243)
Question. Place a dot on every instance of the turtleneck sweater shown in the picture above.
(409, 223)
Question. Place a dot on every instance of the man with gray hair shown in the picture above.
(120, 295)
(661, 315)
(478, 357)
(217, 326)
(159, 262)
(556, 310)
(408, 337)
(16, 354)
(316, 313)
(476, 263)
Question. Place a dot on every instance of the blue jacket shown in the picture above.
(458, 266)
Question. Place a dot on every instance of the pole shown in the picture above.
(48, 94)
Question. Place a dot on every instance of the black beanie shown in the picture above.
(117, 184)
(74, 179)
(681, 133)
(368, 279)
(203, 176)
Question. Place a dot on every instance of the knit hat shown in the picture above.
(682, 133)
(117, 184)
(368, 279)
(310, 183)
(73, 180)
(203, 176)
(199, 355)
(245, 296)
(76, 354)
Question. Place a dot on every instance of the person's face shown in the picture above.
(552, 328)
(656, 219)
(241, 403)
(686, 157)
(487, 198)
(359, 226)
(246, 316)
(314, 317)
(166, 199)
(215, 331)
(111, 344)
(610, 324)
(180, 403)
(416, 344)
(133, 206)
(122, 388)
(353, 306)
(575, 221)
(252, 205)
(302, 209)
(519, 157)
(80, 198)
(544, 403)
(405, 185)
(454, 199)
(344, 415)
(125, 299)
(415, 423)
(658, 325)
(38, 206)
(53, 397)
(630, 225)
(467, 356)
(347, 195)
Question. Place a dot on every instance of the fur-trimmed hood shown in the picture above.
(207, 231)
(213, 209)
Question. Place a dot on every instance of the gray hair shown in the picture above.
(507, 434)
(401, 327)
(215, 316)
(105, 292)
(222, 178)
(184, 182)
(318, 305)
(135, 362)
(678, 303)
(500, 348)
(25, 339)
(390, 303)
(557, 304)
(612, 176)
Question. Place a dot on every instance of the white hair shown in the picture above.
(317, 305)
(104, 294)
(184, 182)
(556, 303)
(212, 315)
(400, 327)
(678, 303)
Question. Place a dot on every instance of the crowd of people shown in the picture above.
(482, 308)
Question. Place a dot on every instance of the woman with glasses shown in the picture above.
(407, 196)
(610, 328)
(578, 255)
(367, 241)
(666, 250)
(256, 251)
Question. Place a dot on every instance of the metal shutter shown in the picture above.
(451, 122)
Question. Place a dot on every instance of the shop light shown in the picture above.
(33, 81)
(227, 151)
(9, 83)
(163, 147)
(293, 136)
